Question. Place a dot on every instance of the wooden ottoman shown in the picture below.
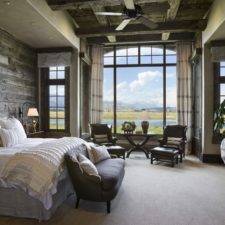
(164, 154)
(116, 150)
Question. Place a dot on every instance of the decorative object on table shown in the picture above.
(144, 123)
(32, 112)
(128, 127)
(219, 122)
(145, 126)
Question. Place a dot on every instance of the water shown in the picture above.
(152, 123)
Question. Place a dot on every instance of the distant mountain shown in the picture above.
(140, 106)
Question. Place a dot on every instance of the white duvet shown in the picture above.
(36, 167)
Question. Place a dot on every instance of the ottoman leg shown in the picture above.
(172, 164)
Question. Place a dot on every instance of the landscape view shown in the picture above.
(140, 97)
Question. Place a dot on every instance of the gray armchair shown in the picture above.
(88, 187)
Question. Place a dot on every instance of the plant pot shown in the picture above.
(145, 126)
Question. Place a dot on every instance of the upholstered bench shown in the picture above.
(164, 154)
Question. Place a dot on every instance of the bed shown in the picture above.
(24, 190)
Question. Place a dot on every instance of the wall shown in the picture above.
(75, 95)
(213, 31)
(17, 74)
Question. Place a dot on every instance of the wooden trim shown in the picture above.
(211, 158)
(54, 50)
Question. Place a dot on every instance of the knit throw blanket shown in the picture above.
(38, 168)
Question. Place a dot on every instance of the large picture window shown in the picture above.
(140, 84)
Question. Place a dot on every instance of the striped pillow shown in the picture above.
(101, 138)
(87, 166)
(9, 137)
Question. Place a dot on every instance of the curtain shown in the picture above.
(96, 84)
(184, 89)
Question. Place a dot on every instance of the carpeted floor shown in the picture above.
(191, 193)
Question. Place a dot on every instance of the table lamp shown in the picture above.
(32, 112)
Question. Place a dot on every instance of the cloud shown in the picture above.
(144, 78)
(146, 89)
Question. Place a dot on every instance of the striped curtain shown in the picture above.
(184, 89)
(96, 84)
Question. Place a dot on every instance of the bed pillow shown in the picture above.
(98, 153)
(87, 166)
(9, 137)
(13, 123)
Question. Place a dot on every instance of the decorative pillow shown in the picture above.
(98, 153)
(101, 138)
(174, 141)
(13, 123)
(87, 166)
(9, 137)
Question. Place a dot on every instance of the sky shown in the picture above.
(141, 85)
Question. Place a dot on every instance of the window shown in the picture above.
(219, 82)
(140, 84)
(56, 98)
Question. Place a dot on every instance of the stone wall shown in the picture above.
(18, 74)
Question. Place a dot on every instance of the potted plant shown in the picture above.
(219, 122)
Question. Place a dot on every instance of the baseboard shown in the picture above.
(211, 158)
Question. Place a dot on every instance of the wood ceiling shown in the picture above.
(175, 19)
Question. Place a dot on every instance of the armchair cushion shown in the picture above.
(101, 138)
(174, 141)
(111, 172)
(98, 153)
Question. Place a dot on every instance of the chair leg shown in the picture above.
(181, 157)
(77, 202)
(108, 206)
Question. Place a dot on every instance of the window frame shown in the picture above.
(46, 82)
(164, 65)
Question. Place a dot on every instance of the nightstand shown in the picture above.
(38, 134)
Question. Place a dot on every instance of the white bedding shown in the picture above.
(51, 155)
(7, 152)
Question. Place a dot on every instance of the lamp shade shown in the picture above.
(32, 112)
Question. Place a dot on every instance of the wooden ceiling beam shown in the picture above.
(141, 38)
(132, 29)
(171, 15)
(73, 4)
(99, 8)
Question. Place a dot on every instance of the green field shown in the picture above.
(137, 116)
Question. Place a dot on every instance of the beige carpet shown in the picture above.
(191, 193)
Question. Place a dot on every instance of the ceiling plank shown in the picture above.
(141, 38)
(99, 8)
(73, 4)
(133, 29)
(171, 15)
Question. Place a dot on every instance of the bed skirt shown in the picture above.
(17, 203)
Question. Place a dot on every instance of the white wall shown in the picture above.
(213, 31)
(60, 20)
(75, 95)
